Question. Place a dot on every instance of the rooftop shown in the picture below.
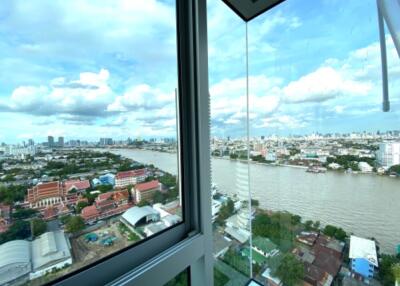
(147, 186)
(363, 248)
(131, 173)
(263, 244)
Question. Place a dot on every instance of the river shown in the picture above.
(364, 204)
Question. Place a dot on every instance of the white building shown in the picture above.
(123, 179)
(388, 154)
(365, 167)
(51, 250)
(21, 260)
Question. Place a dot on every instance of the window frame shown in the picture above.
(188, 245)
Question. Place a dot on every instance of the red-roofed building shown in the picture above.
(104, 196)
(145, 191)
(121, 197)
(123, 179)
(52, 212)
(46, 194)
(90, 213)
(78, 185)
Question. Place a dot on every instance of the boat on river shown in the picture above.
(316, 169)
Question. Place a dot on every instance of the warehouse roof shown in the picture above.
(15, 261)
(135, 214)
(50, 248)
(16, 251)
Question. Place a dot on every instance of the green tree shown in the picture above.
(335, 232)
(317, 224)
(75, 224)
(19, 214)
(255, 203)
(386, 273)
(308, 225)
(158, 197)
(226, 211)
(143, 203)
(19, 230)
(80, 206)
(290, 270)
(39, 226)
(396, 272)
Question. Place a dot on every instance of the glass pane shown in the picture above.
(182, 279)
(324, 168)
(88, 129)
(229, 144)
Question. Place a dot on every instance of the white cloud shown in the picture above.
(323, 84)
(87, 96)
(141, 96)
(282, 122)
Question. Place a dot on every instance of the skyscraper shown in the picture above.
(60, 141)
(50, 141)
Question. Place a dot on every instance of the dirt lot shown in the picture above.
(87, 252)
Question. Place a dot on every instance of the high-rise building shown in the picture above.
(60, 142)
(50, 141)
(388, 154)
(31, 142)
(106, 141)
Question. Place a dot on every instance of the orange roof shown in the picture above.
(77, 184)
(147, 186)
(131, 173)
(89, 211)
(104, 196)
(121, 195)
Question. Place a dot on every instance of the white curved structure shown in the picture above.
(15, 261)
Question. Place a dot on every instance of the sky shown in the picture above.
(86, 69)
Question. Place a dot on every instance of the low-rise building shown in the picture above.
(139, 216)
(21, 260)
(107, 179)
(363, 256)
(264, 246)
(145, 191)
(124, 179)
(51, 250)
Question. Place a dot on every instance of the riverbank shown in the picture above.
(362, 204)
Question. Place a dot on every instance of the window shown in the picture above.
(95, 87)
(322, 174)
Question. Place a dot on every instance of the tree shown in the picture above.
(104, 188)
(143, 203)
(317, 224)
(335, 232)
(80, 206)
(308, 225)
(158, 197)
(386, 273)
(396, 272)
(39, 226)
(19, 230)
(290, 270)
(226, 211)
(255, 203)
(75, 224)
(20, 214)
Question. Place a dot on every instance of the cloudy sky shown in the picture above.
(88, 69)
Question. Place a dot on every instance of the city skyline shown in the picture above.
(102, 82)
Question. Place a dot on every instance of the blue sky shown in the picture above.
(88, 69)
